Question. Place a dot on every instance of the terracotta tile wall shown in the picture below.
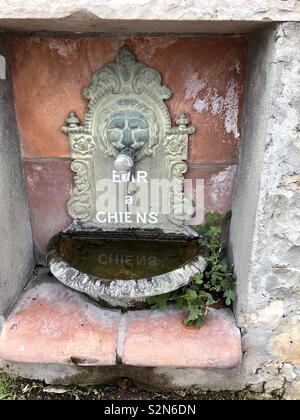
(206, 75)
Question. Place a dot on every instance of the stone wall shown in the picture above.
(265, 228)
(16, 256)
(265, 224)
(206, 75)
(189, 16)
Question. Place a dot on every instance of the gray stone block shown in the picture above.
(16, 251)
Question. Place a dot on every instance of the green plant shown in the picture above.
(8, 388)
(207, 288)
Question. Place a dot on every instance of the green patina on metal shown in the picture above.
(126, 111)
(125, 257)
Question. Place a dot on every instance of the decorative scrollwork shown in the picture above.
(126, 109)
(176, 146)
(80, 206)
(83, 145)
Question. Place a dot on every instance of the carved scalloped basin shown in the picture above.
(123, 269)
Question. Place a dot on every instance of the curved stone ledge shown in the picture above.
(53, 325)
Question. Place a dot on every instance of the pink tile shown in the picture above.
(218, 187)
(206, 75)
(53, 324)
(49, 186)
(160, 338)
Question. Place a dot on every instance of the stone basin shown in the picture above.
(123, 269)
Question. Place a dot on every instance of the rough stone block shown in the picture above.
(194, 16)
(16, 252)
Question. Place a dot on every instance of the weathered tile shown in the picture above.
(54, 324)
(218, 187)
(49, 187)
(205, 74)
(207, 78)
(160, 338)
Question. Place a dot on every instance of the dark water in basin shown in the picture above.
(124, 258)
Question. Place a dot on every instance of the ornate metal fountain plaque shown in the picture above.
(127, 114)
(128, 206)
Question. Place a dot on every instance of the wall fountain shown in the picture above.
(130, 238)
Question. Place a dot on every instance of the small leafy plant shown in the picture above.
(8, 388)
(209, 287)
